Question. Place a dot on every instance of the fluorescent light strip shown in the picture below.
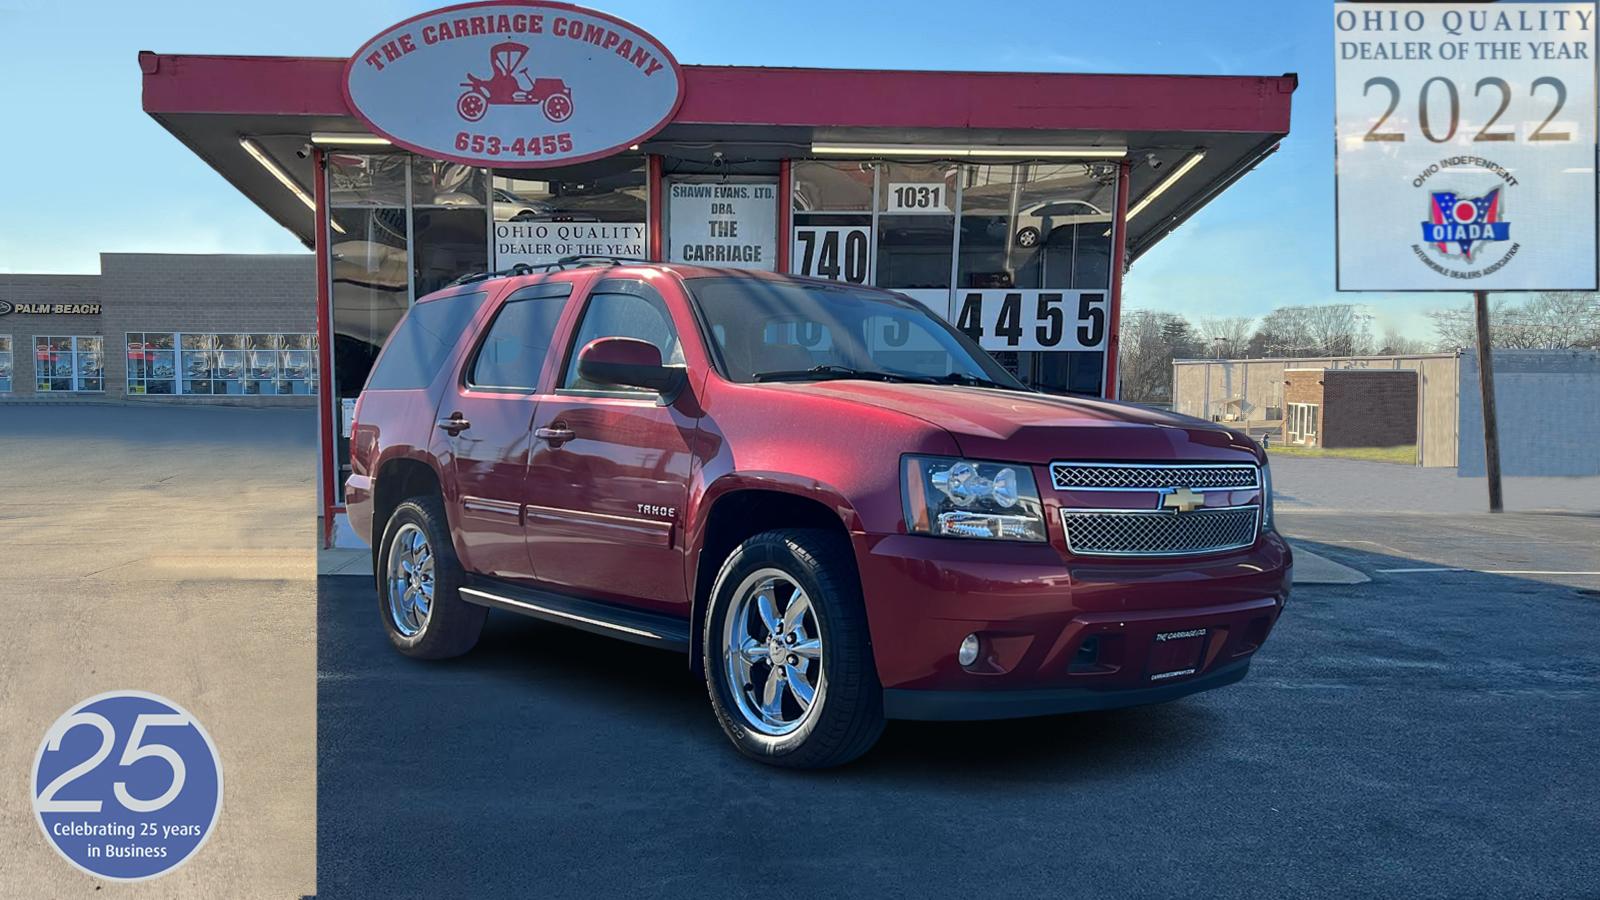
(1169, 181)
(267, 162)
(342, 139)
(968, 152)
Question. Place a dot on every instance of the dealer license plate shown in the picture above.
(1176, 653)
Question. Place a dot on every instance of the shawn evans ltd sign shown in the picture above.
(49, 309)
(514, 84)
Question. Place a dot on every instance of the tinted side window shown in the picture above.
(642, 315)
(421, 343)
(519, 340)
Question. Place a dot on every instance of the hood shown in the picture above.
(1039, 428)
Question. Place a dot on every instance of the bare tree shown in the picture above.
(1396, 344)
(1338, 329)
(1150, 341)
(1552, 320)
(1227, 335)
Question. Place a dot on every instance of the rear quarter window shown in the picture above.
(419, 347)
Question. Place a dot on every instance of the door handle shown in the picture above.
(454, 425)
(554, 436)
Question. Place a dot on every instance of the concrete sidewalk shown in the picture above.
(168, 550)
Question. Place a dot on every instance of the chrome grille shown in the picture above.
(1139, 477)
(1123, 532)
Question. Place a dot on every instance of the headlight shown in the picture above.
(1266, 497)
(965, 498)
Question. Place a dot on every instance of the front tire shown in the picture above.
(418, 580)
(787, 654)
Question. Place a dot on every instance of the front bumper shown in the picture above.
(1058, 633)
(976, 705)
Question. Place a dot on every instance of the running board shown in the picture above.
(638, 626)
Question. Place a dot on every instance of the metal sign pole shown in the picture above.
(1491, 428)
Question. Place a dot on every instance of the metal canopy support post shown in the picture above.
(1491, 428)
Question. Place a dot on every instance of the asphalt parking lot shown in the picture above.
(171, 550)
(1428, 733)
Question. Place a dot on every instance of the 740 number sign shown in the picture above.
(837, 253)
(1033, 319)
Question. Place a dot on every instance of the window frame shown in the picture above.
(8, 384)
(640, 288)
(73, 354)
(280, 351)
(546, 290)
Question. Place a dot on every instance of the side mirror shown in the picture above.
(628, 363)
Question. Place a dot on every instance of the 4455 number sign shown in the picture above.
(1005, 319)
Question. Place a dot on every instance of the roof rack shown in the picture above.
(560, 265)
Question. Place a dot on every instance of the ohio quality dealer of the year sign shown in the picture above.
(514, 84)
(1465, 153)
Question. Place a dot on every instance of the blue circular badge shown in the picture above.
(127, 785)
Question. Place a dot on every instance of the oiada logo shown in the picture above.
(523, 83)
(1462, 231)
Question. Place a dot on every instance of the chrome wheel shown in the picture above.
(772, 653)
(410, 579)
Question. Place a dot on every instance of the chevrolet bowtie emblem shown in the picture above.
(1183, 500)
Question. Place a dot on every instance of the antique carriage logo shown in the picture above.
(1456, 224)
(510, 83)
(514, 83)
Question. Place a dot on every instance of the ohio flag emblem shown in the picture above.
(1464, 221)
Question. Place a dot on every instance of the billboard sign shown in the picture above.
(514, 84)
(1465, 146)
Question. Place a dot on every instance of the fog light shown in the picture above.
(968, 654)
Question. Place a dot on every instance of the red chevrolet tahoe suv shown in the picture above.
(838, 505)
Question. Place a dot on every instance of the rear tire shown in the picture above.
(418, 580)
(821, 704)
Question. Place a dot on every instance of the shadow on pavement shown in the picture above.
(1437, 730)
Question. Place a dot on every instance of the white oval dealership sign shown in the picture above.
(511, 84)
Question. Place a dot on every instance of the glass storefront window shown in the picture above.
(609, 190)
(916, 225)
(1032, 227)
(369, 265)
(5, 364)
(152, 362)
(447, 243)
(226, 364)
(1037, 226)
(824, 187)
(68, 364)
(832, 206)
(438, 183)
(360, 179)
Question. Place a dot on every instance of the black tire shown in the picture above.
(1028, 237)
(453, 625)
(849, 716)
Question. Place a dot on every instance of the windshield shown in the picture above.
(769, 330)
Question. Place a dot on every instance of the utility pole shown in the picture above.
(1491, 427)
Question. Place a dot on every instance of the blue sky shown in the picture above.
(87, 170)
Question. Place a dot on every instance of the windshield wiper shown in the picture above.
(827, 371)
(962, 378)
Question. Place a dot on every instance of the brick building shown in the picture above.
(155, 327)
(1350, 407)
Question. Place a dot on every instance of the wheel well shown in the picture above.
(736, 517)
(397, 480)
